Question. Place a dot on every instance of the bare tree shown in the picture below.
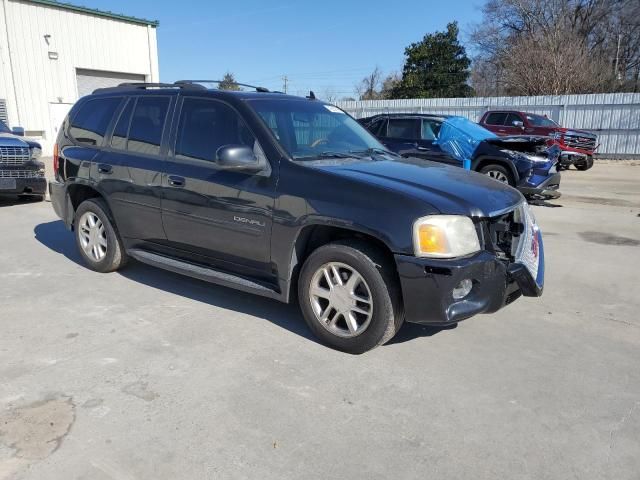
(329, 95)
(557, 46)
(369, 86)
(389, 84)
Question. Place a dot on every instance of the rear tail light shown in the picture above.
(56, 160)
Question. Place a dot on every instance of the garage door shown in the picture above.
(3, 111)
(90, 80)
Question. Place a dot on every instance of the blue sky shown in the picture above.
(327, 45)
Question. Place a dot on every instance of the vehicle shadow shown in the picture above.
(411, 331)
(13, 200)
(57, 238)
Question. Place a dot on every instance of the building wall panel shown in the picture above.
(32, 78)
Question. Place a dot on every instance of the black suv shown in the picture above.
(21, 171)
(289, 197)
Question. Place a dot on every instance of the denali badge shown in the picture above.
(249, 221)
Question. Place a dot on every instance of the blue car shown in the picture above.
(522, 161)
(21, 172)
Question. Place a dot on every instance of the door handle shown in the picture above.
(422, 149)
(105, 168)
(176, 181)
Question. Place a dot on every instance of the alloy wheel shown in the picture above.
(341, 299)
(93, 236)
(497, 175)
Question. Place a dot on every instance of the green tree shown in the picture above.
(435, 67)
(229, 82)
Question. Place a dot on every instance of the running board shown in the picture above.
(203, 273)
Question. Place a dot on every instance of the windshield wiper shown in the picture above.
(374, 151)
(327, 155)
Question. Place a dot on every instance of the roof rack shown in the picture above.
(144, 85)
(198, 82)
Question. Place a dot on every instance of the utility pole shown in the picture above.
(285, 81)
(617, 73)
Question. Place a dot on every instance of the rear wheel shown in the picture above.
(349, 295)
(97, 238)
(499, 173)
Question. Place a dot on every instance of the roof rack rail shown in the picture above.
(143, 85)
(198, 82)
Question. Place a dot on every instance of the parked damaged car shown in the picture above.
(578, 146)
(522, 161)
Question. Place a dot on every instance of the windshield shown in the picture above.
(4, 128)
(310, 130)
(540, 121)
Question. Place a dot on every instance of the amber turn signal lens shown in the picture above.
(432, 239)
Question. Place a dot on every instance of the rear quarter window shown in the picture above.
(90, 123)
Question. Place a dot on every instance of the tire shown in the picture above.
(499, 173)
(586, 165)
(99, 245)
(378, 282)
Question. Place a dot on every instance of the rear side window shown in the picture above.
(90, 124)
(119, 137)
(497, 118)
(207, 125)
(147, 124)
(404, 128)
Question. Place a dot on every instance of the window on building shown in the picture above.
(147, 124)
(90, 124)
(206, 125)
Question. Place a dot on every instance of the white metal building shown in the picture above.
(53, 53)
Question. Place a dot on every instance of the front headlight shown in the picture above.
(36, 152)
(536, 158)
(444, 236)
(528, 156)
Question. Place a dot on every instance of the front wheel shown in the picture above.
(499, 173)
(588, 163)
(349, 296)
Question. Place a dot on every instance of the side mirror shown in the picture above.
(18, 131)
(237, 157)
(518, 124)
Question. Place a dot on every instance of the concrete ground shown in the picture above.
(145, 374)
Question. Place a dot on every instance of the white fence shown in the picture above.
(614, 117)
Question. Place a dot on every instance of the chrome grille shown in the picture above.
(582, 142)
(14, 155)
(21, 174)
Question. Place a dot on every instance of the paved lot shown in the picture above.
(147, 375)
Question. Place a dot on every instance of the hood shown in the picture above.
(10, 140)
(520, 143)
(448, 189)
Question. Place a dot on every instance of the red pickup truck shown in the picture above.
(577, 146)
